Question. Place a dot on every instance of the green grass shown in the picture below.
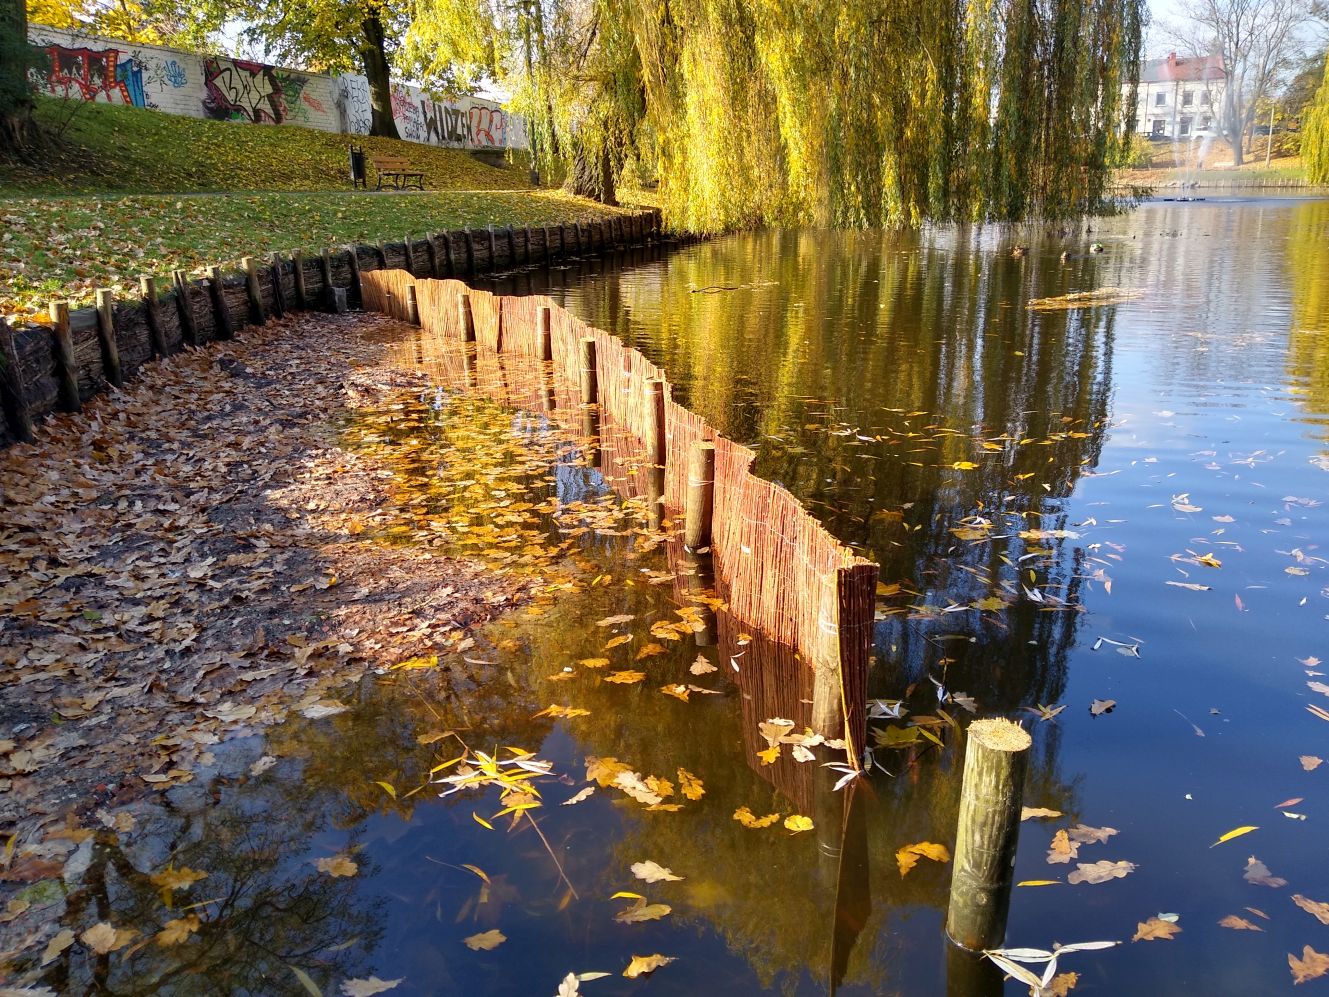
(94, 212)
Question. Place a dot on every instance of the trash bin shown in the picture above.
(358, 178)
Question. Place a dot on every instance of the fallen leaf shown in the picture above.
(1155, 929)
(746, 817)
(337, 865)
(1236, 832)
(369, 987)
(262, 765)
(1311, 762)
(701, 666)
(1319, 911)
(583, 794)
(770, 755)
(797, 822)
(626, 677)
(1310, 966)
(171, 878)
(1100, 872)
(613, 621)
(1030, 813)
(1062, 849)
(56, 945)
(1100, 706)
(1039, 882)
(907, 856)
(1060, 985)
(644, 964)
(642, 911)
(102, 938)
(485, 940)
(652, 872)
(1085, 834)
(1258, 873)
(690, 785)
(1239, 923)
(677, 690)
(177, 931)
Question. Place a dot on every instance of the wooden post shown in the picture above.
(656, 453)
(147, 292)
(470, 251)
(465, 318)
(590, 379)
(498, 325)
(410, 254)
(996, 754)
(412, 306)
(357, 287)
(542, 325)
(700, 506)
(257, 313)
(301, 295)
(526, 253)
(329, 296)
(549, 255)
(184, 305)
(278, 291)
(382, 255)
(67, 372)
(576, 230)
(431, 253)
(221, 315)
(106, 337)
(13, 396)
(448, 261)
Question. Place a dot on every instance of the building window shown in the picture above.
(1158, 127)
(1204, 98)
(1185, 125)
(1205, 120)
(1160, 99)
(1187, 99)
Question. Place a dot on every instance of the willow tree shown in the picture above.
(570, 67)
(1315, 133)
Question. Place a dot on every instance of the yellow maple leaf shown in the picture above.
(690, 785)
(797, 822)
(907, 856)
(746, 817)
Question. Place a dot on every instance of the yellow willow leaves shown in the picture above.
(177, 931)
(641, 965)
(485, 940)
(690, 785)
(797, 823)
(907, 857)
(1155, 929)
(337, 865)
(625, 677)
(1236, 832)
(562, 712)
(745, 817)
(1312, 965)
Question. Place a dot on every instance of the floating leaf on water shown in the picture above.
(337, 865)
(1236, 832)
(1100, 706)
(653, 872)
(368, 987)
(642, 911)
(1091, 835)
(617, 641)
(1194, 587)
(178, 930)
(701, 666)
(102, 938)
(172, 878)
(1062, 849)
(573, 800)
(485, 940)
(1155, 929)
(1031, 813)
(1312, 965)
(562, 712)
(306, 981)
(641, 965)
(613, 621)
(690, 785)
(62, 940)
(1239, 923)
(1039, 882)
(770, 755)
(676, 690)
(907, 856)
(625, 677)
(1319, 911)
(1258, 873)
(593, 662)
(1100, 872)
(797, 823)
(746, 817)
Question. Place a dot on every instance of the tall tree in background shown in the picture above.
(144, 22)
(16, 56)
(1315, 133)
(1257, 41)
(333, 36)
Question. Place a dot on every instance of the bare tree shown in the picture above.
(1256, 40)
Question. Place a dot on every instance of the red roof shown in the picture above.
(1171, 69)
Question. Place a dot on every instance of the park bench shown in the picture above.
(399, 170)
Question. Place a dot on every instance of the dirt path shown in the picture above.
(189, 560)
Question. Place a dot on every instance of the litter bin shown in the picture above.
(358, 178)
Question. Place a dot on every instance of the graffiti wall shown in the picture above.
(86, 67)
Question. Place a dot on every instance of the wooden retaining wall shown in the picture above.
(39, 365)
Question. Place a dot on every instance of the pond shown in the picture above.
(1103, 518)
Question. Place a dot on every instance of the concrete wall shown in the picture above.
(87, 67)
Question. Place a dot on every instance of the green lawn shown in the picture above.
(121, 197)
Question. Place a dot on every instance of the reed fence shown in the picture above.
(778, 567)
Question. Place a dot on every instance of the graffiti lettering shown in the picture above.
(445, 124)
(174, 74)
(95, 74)
(488, 126)
(243, 90)
(353, 117)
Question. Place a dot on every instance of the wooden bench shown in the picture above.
(399, 170)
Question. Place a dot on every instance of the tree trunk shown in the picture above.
(17, 128)
(375, 58)
(593, 176)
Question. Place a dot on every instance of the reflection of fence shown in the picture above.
(782, 571)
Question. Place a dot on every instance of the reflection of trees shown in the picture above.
(268, 908)
(1308, 338)
(863, 367)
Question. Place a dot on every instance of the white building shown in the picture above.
(1178, 97)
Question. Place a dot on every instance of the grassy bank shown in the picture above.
(128, 192)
